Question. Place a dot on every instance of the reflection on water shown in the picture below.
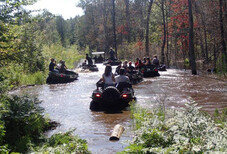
(175, 88)
(68, 104)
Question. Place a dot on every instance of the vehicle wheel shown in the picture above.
(95, 106)
(111, 94)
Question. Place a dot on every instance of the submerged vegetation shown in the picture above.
(170, 131)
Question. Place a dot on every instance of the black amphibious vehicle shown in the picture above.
(112, 98)
(92, 68)
(114, 62)
(135, 76)
(150, 71)
(56, 77)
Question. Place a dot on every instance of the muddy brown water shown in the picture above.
(68, 104)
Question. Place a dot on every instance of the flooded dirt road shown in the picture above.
(174, 88)
(68, 104)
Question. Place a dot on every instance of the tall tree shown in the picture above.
(223, 43)
(61, 28)
(147, 27)
(191, 39)
(164, 32)
(114, 28)
(128, 24)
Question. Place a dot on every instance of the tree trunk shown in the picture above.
(191, 39)
(164, 33)
(169, 45)
(147, 27)
(206, 46)
(223, 43)
(225, 9)
(201, 44)
(203, 50)
(105, 16)
(167, 37)
(215, 55)
(114, 29)
(128, 24)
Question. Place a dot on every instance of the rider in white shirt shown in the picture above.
(108, 77)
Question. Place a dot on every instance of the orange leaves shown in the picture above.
(122, 29)
(139, 45)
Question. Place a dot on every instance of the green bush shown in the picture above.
(190, 131)
(13, 76)
(37, 78)
(63, 143)
(221, 66)
(22, 127)
(70, 55)
(24, 122)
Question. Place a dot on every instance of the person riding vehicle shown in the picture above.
(125, 66)
(63, 67)
(140, 65)
(137, 61)
(111, 96)
(61, 74)
(130, 67)
(111, 54)
(122, 77)
(84, 63)
(107, 79)
(100, 58)
(144, 60)
(52, 65)
(117, 71)
(155, 61)
(148, 62)
(95, 58)
(90, 62)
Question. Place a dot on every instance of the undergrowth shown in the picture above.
(62, 143)
(171, 131)
(22, 128)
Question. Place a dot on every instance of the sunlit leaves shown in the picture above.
(189, 131)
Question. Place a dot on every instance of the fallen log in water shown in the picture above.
(117, 132)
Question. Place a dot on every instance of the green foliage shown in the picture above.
(63, 143)
(12, 10)
(37, 78)
(189, 131)
(220, 118)
(24, 122)
(30, 50)
(69, 55)
(22, 127)
(2, 125)
(13, 76)
(221, 66)
(186, 63)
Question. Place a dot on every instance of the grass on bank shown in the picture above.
(170, 131)
(16, 75)
(70, 55)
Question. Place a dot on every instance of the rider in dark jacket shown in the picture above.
(89, 60)
(52, 65)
